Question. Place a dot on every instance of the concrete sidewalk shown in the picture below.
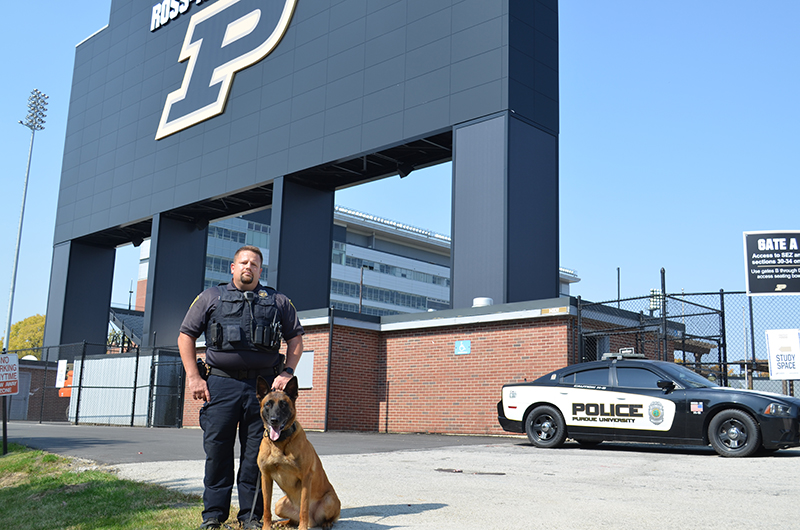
(452, 482)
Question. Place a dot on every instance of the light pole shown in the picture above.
(37, 106)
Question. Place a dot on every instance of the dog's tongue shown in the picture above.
(274, 434)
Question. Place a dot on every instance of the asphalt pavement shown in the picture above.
(391, 481)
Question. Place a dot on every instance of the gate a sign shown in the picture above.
(772, 262)
(9, 374)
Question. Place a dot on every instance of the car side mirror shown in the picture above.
(666, 385)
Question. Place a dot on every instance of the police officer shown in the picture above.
(243, 322)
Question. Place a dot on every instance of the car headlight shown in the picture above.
(776, 409)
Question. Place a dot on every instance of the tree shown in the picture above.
(26, 334)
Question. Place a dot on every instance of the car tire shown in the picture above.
(545, 427)
(734, 433)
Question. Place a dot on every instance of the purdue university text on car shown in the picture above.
(647, 401)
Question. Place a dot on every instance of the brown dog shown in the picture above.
(287, 457)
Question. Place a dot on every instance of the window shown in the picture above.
(597, 376)
(637, 378)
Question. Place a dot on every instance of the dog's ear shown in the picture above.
(292, 389)
(262, 388)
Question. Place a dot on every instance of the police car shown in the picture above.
(629, 398)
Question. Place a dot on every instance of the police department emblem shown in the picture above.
(656, 413)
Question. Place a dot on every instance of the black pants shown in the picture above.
(233, 406)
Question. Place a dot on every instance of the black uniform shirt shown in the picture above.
(196, 320)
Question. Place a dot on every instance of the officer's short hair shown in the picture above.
(250, 248)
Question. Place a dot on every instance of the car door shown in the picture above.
(656, 414)
(583, 395)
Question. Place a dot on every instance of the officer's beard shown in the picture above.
(247, 280)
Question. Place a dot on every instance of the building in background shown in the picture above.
(378, 266)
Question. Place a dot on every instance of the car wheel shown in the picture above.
(734, 433)
(545, 427)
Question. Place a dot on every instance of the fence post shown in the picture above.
(752, 342)
(579, 353)
(44, 387)
(149, 422)
(665, 338)
(135, 384)
(80, 381)
(724, 342)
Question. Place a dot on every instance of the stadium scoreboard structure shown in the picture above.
(187, 111)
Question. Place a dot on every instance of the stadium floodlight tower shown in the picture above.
(37, 107)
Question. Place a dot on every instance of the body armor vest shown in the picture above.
(245, 321)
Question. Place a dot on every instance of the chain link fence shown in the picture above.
(720, 335)
(98, 384)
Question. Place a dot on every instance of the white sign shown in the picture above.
(9, 374)
(783, 346)
(61, 373)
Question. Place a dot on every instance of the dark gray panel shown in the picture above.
(384, 102)
(80, 294)
(345, 90)
(343, 117)
(301, 243)
(343, 143)
(532, 224)
(346, 37)
(171, 289)
(477, 39)
(479, 175)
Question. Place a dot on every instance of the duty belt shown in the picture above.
(246, 374)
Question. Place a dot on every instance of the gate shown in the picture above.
(684, 328)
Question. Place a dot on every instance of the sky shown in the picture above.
(680, 130)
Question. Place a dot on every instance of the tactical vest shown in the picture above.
(246, 320)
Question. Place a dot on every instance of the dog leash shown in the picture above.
(255, 497)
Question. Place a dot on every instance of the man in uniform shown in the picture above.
(243, 323)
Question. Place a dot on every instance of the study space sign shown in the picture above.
(783, 346)
(772, 262)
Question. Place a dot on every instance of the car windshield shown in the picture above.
(687, 377)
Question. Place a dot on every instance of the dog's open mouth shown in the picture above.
(275, 430)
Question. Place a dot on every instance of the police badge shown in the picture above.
(656, 413)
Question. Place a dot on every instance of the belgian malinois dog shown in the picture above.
(287, 457)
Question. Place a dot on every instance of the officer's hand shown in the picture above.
(198, 388)
(280, 381)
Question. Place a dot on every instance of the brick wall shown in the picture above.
(357, 379)
(413, 381)
(310, 403)
(431, 389)
(43, 387)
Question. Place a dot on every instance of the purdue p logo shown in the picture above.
(222, 39)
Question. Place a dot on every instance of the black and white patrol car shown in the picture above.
(633, 399)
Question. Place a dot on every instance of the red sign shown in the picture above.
(9, 374)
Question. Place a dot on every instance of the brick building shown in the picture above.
(437, 372)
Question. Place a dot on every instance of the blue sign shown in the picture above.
(463, 347)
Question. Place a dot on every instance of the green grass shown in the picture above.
(41, 490)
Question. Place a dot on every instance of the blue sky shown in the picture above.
(680, 129)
